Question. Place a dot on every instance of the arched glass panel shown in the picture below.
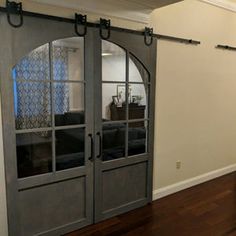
(125, 89)
(113, 62)
(137, 72)
(114, 98)
(138, 107)
(68, 59)
(49, 108)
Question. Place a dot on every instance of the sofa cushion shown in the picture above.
(59, 120)
(74, 118)
(113, 153)
(113, 126)
(70, 161)
(137, 147)
(109, 138)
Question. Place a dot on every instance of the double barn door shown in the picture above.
(77, 125)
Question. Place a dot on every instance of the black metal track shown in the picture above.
(96, 25)
(226, 47)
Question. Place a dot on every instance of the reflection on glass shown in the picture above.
(137, 136)
(113, 101)
(68, 103)
(32, 105)
(69, 148)
(68, 59)
(137, 72)
(113, 141)
(138, 104)
(35, 66)
(113, 62)
(34, 153)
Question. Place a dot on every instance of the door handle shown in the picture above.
(100, 145)
(91, 146)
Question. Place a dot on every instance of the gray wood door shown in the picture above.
(78, 125)
(124, 124)
(47, 107)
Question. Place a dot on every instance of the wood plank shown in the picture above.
(207, 209)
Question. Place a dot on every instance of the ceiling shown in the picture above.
(233, 1)
(225, 4)
(135, 10)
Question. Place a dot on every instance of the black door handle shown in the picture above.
(100, 145)
(91, 146)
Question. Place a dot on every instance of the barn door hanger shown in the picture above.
(105, 25)
(16, 9)
(80, 20)
(148, 33)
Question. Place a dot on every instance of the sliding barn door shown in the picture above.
(78, 120)
(124, 123)
(47, 106)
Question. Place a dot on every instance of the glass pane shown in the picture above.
(35, 66)
(34, 153)
(137, 137)
(113, 101)
(68, 59)
(138, 105)
(113, 62)
(137, 72)
(69, 148)
(32, 105)
(113, 141)
(68, 103)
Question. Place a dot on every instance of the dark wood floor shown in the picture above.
(207, 209)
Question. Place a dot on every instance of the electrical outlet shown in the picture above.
(178, 164)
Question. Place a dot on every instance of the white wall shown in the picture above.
(196, 93)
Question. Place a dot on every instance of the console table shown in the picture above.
(135, 112)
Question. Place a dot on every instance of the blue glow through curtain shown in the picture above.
(32, 90)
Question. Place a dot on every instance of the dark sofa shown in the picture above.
(69, 142)
(34, 151)
(114, 141)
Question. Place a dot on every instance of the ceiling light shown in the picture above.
(105, 54)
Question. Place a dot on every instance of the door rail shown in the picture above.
(97, 25)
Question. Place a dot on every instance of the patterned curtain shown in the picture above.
(32, 90)
(60, 72)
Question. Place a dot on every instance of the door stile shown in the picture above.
(152, 98)
(97, 125)
(89, 108)
(51, 74)
(9, 139)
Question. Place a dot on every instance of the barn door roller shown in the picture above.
(148, 33)
(105, 25)
(80, 20)
(16, 9)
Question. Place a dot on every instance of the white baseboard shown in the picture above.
(163, 192)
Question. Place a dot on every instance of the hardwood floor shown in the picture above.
(208, 209)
